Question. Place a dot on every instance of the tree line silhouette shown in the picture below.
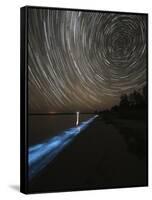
(130, 105)
(129, 117)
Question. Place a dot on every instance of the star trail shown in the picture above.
(83, 61)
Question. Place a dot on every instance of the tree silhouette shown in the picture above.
(138, 98)
(133, 100)
(144, 92)
(124, 103)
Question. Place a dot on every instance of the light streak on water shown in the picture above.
(40, 155)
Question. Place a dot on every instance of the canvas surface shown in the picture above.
(86, 99)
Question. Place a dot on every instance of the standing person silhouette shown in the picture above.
(77, 121)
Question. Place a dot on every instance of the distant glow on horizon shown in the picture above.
(51, 112)
(40, 155)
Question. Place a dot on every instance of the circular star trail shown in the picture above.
(83, 61)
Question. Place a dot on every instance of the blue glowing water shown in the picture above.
(40, 155)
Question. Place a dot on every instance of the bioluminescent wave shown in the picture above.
(40, 155)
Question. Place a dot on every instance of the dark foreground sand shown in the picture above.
(106, 155)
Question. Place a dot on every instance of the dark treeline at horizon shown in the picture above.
(133, 105)
(136, 99)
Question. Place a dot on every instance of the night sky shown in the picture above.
(83, 61)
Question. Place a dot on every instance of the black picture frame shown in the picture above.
(24, 184)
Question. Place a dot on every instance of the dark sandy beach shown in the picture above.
(105, 155)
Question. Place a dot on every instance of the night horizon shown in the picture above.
(84, 61)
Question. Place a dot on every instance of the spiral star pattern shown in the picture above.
(84, 60)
